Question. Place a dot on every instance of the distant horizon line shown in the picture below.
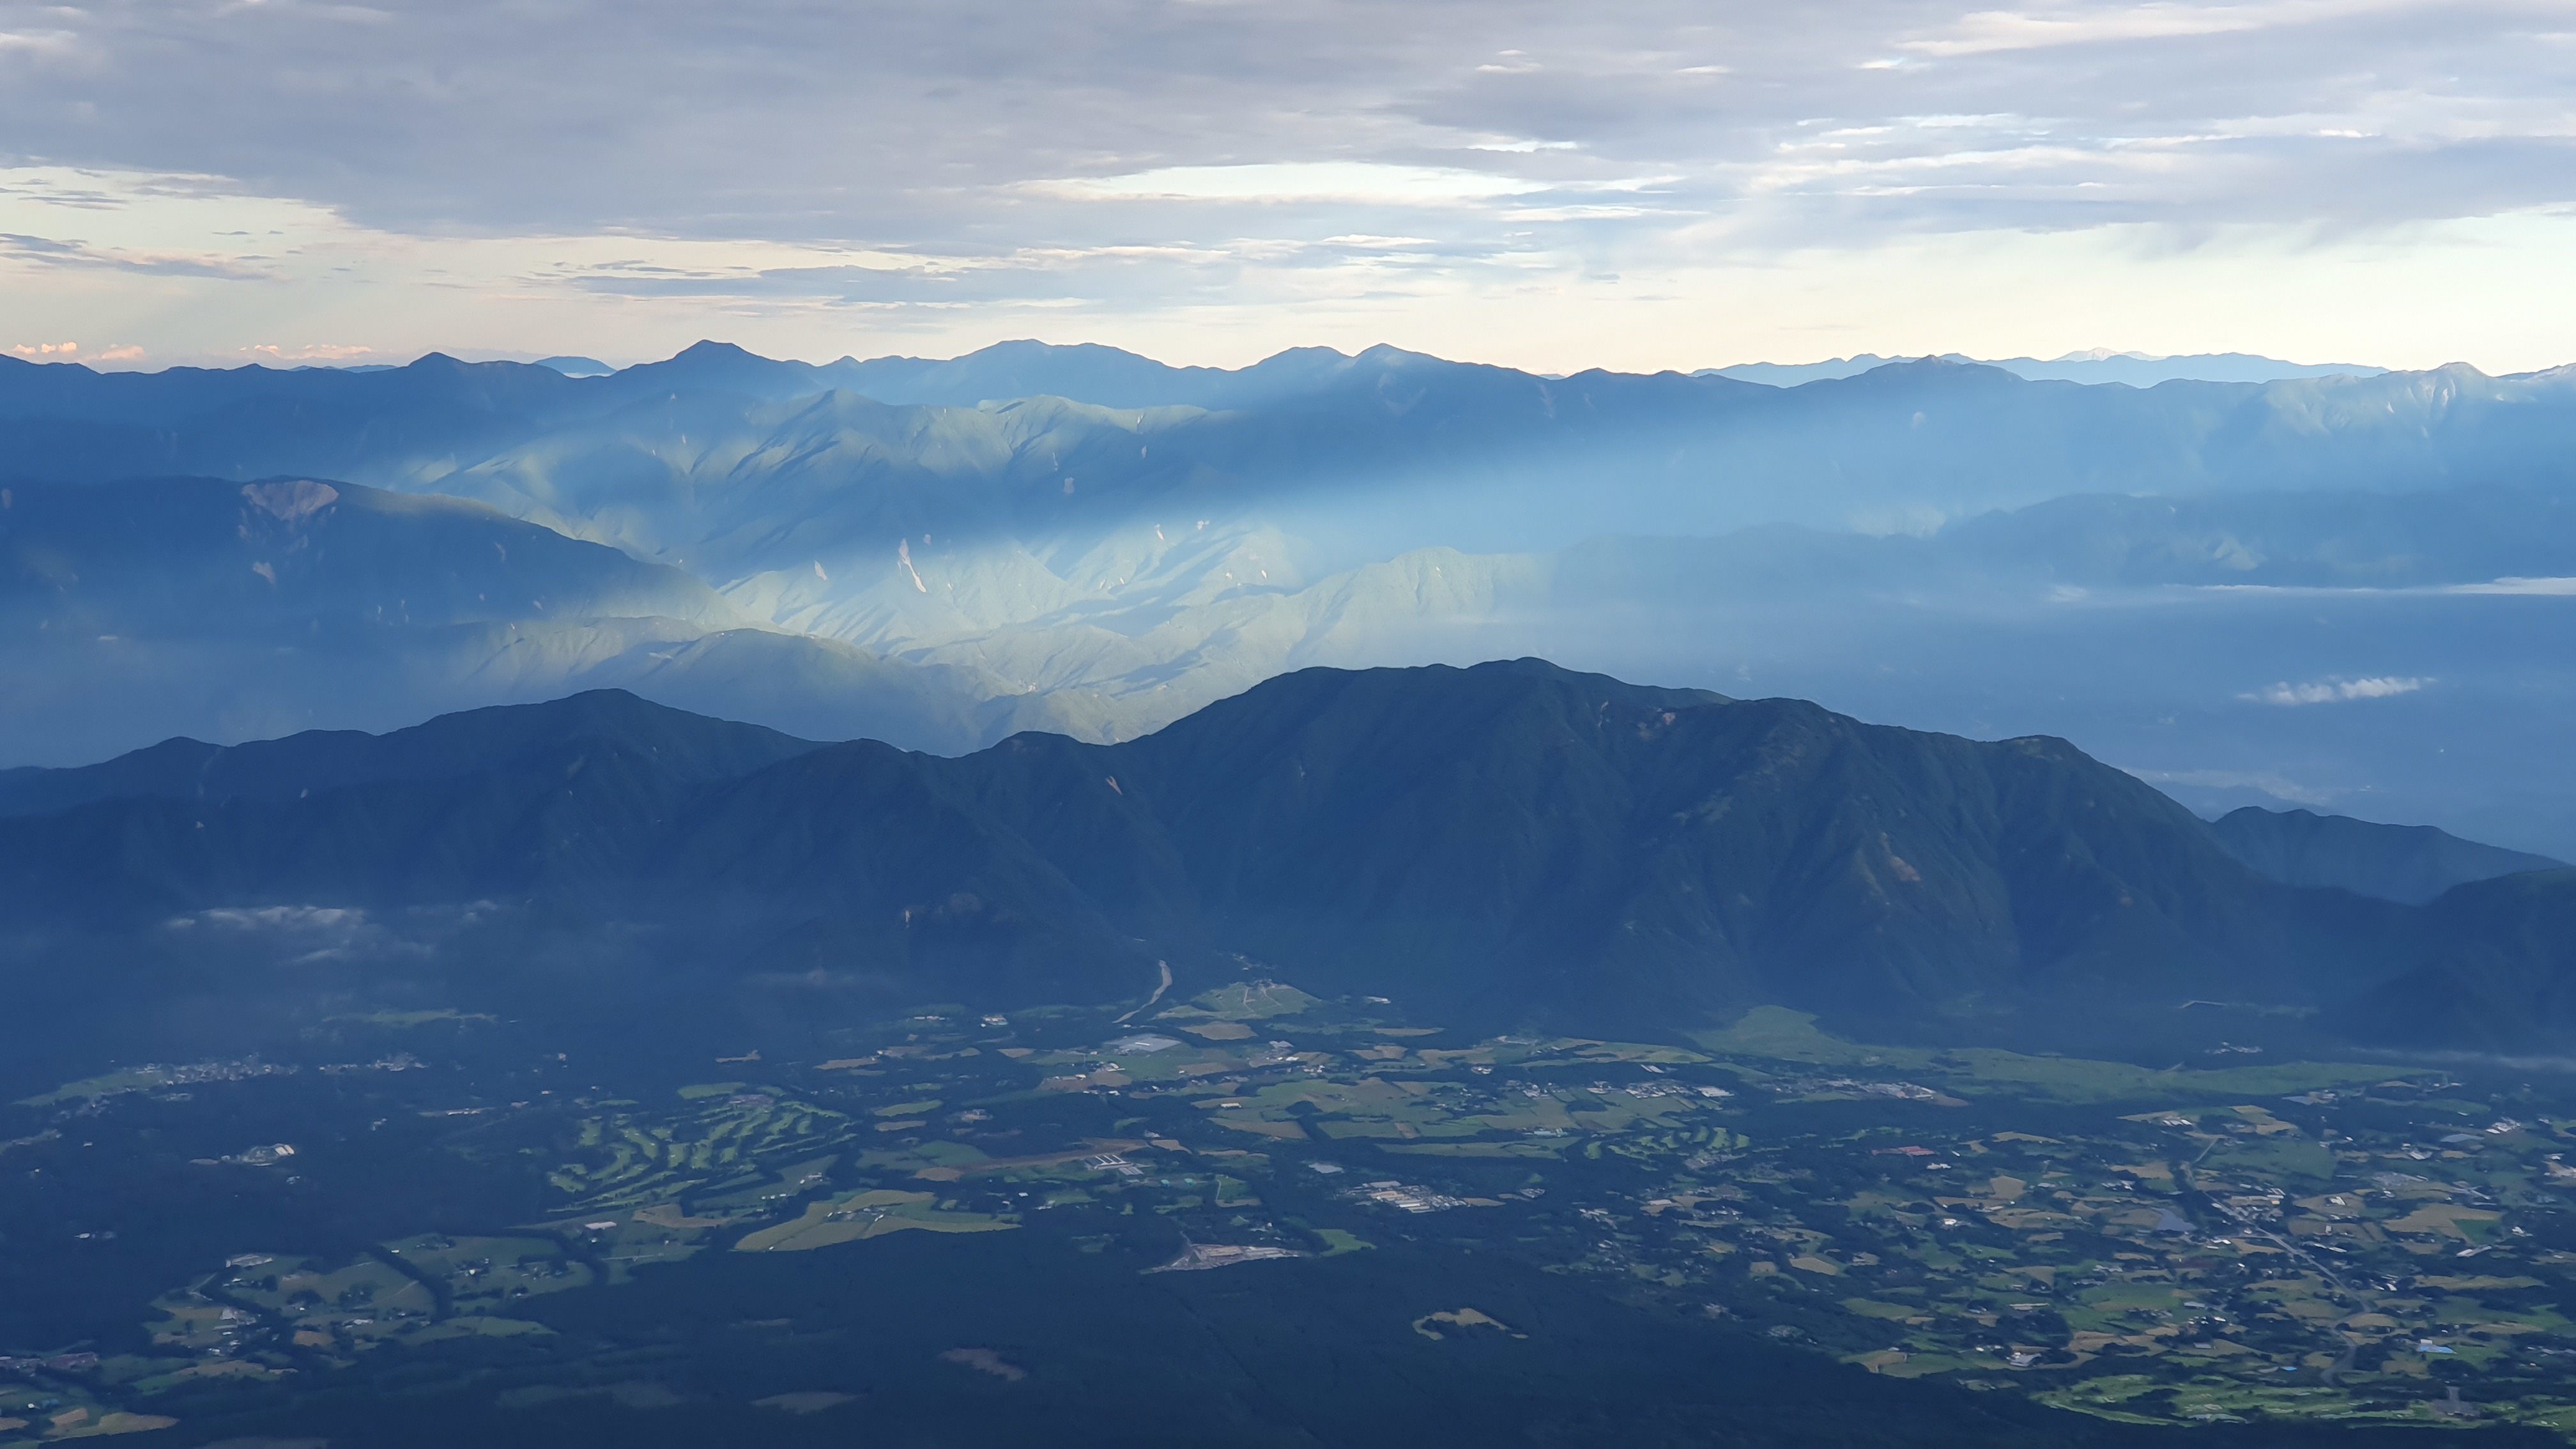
(122, 360)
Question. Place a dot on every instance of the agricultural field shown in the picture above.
(728, 1140)
(852, 1217)
(2222, 1240)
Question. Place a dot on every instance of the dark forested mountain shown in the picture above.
(1511, 842)
(2412, 863)
(2497, 971)
(689, 748)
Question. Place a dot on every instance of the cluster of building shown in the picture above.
(267, 1154)
(60, 1363)
(398, 1062)
(1406, 1198)
(1198, 1257)
(1809, 1086)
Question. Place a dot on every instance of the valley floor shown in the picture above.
(441, 1207)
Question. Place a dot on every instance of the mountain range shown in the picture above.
(1508, 845)
(2329, 592)
(2101, 365)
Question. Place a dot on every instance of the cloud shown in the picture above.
(53, 252)
(298, 934)
(307, 934)
(308, 352)
(2526, 587)
(71, 352)
(2279, 787)
(879, 122)
(1004, 155)
(1300, 181)
(50, 44)
(1988, 31)
(275, 918)
(2335, 691)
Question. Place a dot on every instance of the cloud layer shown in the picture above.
(1106, 157)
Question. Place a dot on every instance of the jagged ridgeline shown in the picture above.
(1512, 844)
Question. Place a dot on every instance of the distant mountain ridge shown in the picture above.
(942, 569)
(786, 484)
(691, 748)
(2411, 863)
(2099, 366)
(426, 423)
(1505, 843)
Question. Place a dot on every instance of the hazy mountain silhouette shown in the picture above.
(2412, 863)
(1928, 434)
(2092, 368)
(132, 610)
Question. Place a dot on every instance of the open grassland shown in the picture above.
(856, 1216)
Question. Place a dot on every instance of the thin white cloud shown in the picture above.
(308, 352)
(2335, 691)
(54, 252)
(1356, 181)
(2552, 588)
(2544, 587)
(2272, 783)
(306, 934)
(1988, 31)
(51, 44)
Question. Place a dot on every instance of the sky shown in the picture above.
(1551, 186)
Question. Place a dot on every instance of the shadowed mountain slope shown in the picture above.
(691, 749)
(2497, 972)
(2413, 863)
(1512, 843)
